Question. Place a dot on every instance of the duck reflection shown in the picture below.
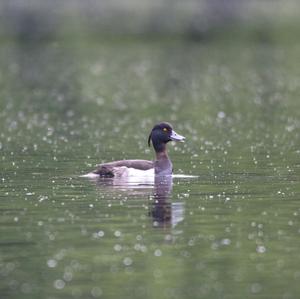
(162, 210)
(165, 213)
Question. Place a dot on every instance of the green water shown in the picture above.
(231, 232)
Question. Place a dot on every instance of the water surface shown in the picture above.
(230, 232)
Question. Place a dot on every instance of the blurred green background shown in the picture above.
(83, 82)
(192, 19)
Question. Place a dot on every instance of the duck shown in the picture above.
(160, 135)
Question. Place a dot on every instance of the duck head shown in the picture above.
(161, 134)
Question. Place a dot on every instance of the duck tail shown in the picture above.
(104, 171)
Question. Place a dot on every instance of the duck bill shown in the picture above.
(176, 137)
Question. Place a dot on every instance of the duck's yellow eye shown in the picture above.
(165, 129)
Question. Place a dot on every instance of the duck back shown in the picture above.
(111, 168)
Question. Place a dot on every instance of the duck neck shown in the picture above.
(159, 147)
(162, 155)
(163, 165)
